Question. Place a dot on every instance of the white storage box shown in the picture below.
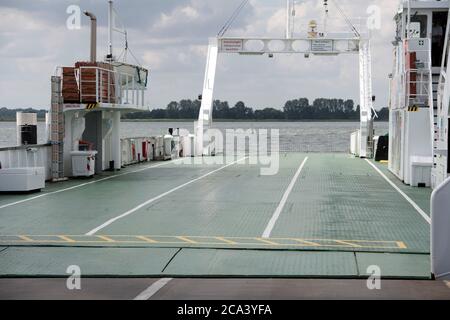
(355, 143)
(421, 171)
(188, 145)
(22, 179)
(83, 163)
(169, 146)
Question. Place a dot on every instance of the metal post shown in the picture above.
(289, 6)
(96, 85)
(205, 116)
(93, 35)
(115, 141)
(366, 105)
(101, 86)
(110, 28)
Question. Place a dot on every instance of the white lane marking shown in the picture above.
(86, 184)
(153, 289)
(283, 201)
(146, 203)
(415, 205)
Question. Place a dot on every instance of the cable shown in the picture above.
(352, 27)
(233, 17)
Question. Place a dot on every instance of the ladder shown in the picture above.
(57, 131)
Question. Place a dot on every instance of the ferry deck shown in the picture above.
(323, 216)
(335, 218)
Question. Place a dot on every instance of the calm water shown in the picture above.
(294, 136)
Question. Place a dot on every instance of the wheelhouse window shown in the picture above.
(418, 26)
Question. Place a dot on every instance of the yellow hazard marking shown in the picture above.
(185, 239)
(91, 106)
(148, 240)
(26, 239)
(107, 239)
(267, 241)
(308, 243)
(354, 245)
(413, 109)
(401, 244)
(65, 238)
(227, 241)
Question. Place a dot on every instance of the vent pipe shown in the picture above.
(93, 35)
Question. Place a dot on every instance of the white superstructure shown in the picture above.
(88, 100)
(418, 52)
(441, 170)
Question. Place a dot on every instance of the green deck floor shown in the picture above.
(340, 218)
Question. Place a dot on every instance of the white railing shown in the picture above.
(120, 88)
(418, 80)
(418, 86)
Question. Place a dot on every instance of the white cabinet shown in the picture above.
(22, 179)
(83, 163)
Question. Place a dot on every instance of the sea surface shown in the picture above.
(294, 136)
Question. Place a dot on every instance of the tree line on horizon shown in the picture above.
(293, 110)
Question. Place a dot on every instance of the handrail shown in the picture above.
(25, 147)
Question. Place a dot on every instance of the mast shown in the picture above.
(110, 29)
(289, 14)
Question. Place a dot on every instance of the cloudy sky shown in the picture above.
(170, 37)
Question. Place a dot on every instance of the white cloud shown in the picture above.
(13, 21)
(172, 41)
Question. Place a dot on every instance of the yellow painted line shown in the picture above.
(226, 241)
(309, 243)
(203, 241)
(267, 241)
(401, 245)
(25, 238)
(348, 244)
(185, 239)
(107, 239)
(147, 239)
(67, 239)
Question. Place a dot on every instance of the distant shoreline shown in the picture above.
(240, 121)
(223, 120)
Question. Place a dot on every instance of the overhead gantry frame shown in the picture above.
(315, 44)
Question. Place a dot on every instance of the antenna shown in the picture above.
(290, 14)
(110, 31)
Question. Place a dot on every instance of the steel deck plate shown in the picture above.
(339, 206)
